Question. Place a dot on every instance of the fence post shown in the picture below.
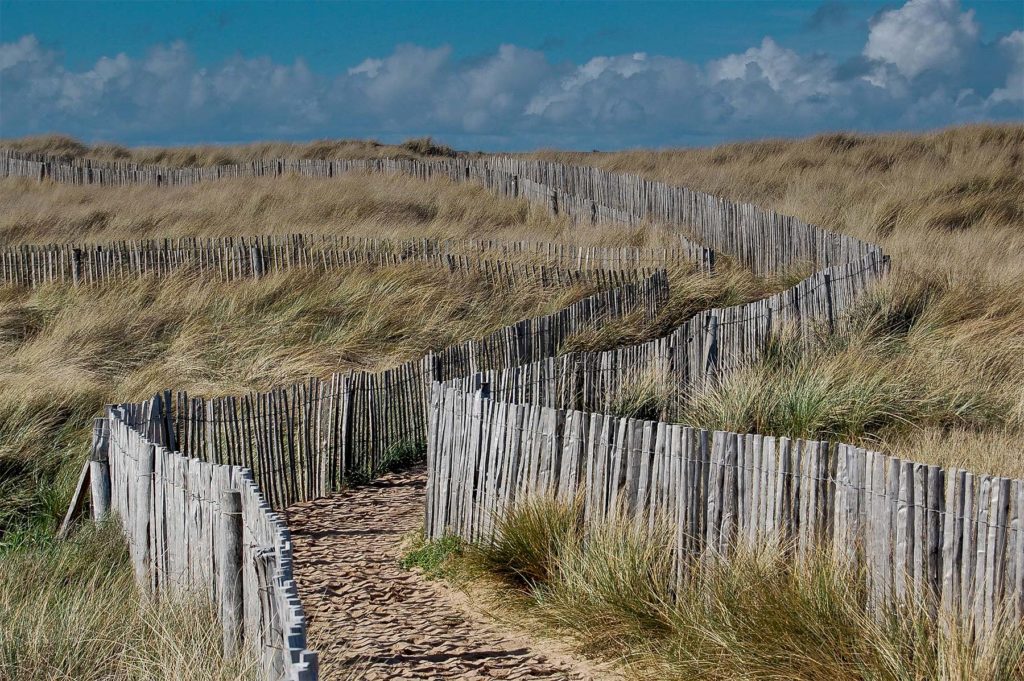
(347, 431)
(258, 266)
(229, 559)
(710, 363)
(99, 465)
(170, 434)
(76, 266)
(830, 307)
(142, 512)
(154, 427)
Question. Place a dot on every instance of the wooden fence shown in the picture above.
(196, 528)
(306, 440)
(705, 348)
(234, 258)
(912, 531)
(762, 240)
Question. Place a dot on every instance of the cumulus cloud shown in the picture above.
(923, 64)
(922, 35)
(1012, 48)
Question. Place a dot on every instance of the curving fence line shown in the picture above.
(762, 240)
(285, 436)
(237, 258)
(194, 482)
(308, 439)
(701, 350)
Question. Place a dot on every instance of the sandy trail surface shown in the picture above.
(369, 618)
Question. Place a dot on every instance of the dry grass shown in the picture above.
(355, 205)
(952, 200)
(71, 611)
(67, 352)
(933, 372)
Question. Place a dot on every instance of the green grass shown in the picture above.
(402, 456)
(436, 558)
(615, 596)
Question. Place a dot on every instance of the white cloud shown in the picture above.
(25, 50)
(1012, 48)
(922, 35)
(516, 97)
(783, 69)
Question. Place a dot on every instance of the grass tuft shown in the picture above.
(434, 558)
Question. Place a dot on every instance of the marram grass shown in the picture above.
(759, 616)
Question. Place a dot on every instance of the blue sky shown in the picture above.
(498, 75)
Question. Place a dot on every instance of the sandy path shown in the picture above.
(371, 619)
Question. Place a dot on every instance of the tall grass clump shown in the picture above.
(527, 550)
(71, 610)
(646, 394)
(925, 363)
(436, 558)
(613, 592)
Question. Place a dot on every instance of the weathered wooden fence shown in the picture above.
(196, 528)
(704, 348)
(762, 240)
(306, 440)
(234, 258)
(912, 531)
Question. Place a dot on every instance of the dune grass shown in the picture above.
(614, 596)
(67, 352)
(929, 372)
(70, 610)
(950, 200)
(356, 204)
(933, 370)
(66, 147)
